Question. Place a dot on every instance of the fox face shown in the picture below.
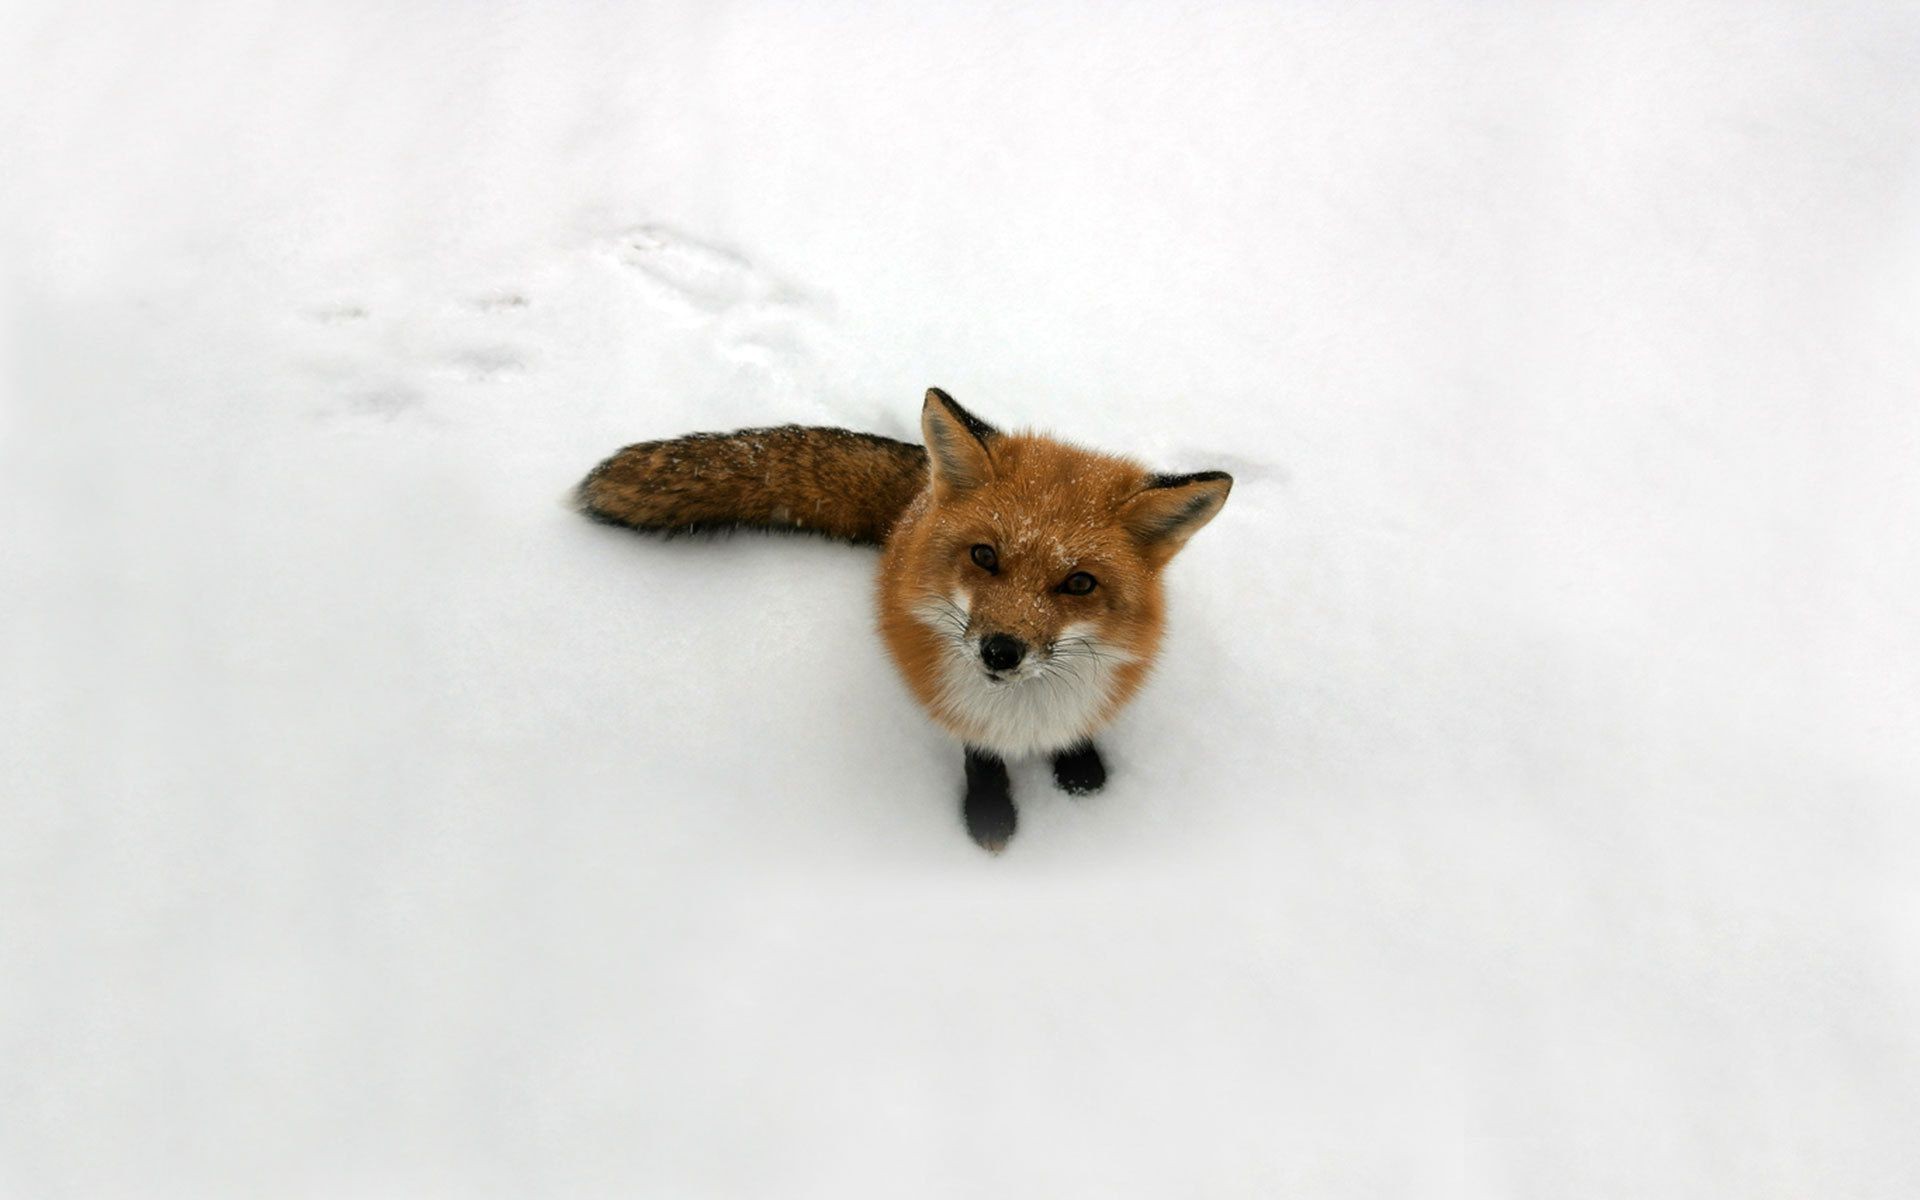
(1035, 562)
(1021, 593)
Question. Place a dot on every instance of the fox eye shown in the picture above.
(1079, 584)
(986, 559)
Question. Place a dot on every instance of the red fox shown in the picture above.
(1019, 591)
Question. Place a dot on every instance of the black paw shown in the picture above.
(1079, 771)
(989, 804)
(990, 820)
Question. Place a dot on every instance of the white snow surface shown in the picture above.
(1527, 803)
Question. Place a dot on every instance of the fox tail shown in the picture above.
(806, 479)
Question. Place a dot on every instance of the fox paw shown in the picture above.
(990, 820)
(1079, 771)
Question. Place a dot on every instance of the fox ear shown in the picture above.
(1172, 508)
(956, 443)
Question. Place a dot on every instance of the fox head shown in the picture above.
(1024, 591)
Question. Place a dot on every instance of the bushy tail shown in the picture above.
(834, 482)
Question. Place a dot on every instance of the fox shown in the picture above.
(1019, 591)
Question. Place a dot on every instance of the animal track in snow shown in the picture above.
(760, 322)
(404, 361)
(388, 401)
(694, 274)
(482, 359)
(480, 363)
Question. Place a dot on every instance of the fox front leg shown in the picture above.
(989, 803)
(1078, 771)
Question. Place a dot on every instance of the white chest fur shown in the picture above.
(1060, 696)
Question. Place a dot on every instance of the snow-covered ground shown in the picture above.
(1528, 803)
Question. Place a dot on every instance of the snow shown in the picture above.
(1526, 802)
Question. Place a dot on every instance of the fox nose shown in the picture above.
(1001, 652)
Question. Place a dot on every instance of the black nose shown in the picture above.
(1002, 653)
